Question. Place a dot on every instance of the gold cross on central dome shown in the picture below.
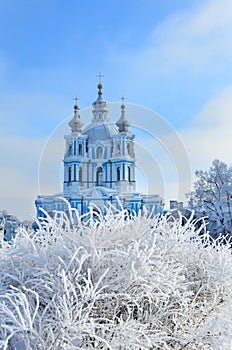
(100, 76)
(76, 99)
(123, 98)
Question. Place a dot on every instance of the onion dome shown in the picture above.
(123, 123)
(76, 123)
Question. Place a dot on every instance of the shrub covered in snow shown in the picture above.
(115, 283)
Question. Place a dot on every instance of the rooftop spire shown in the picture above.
(100, 107)
(75, 99)
(100, 86)
(123, 123)
(76, 123)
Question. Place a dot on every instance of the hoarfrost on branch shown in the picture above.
(115, 283)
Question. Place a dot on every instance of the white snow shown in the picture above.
(120, 283)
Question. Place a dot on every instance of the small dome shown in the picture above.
(76, 123)
(123, 123)
(99, 132)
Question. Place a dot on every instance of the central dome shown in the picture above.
(99, 132)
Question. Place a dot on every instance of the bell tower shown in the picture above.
(123, 154)
(75, 151)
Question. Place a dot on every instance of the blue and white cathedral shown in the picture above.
(99, 166)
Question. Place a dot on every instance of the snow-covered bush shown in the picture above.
(116, 283)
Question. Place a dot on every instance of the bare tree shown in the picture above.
(212, 196)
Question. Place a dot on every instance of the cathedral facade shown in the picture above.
(99, 166)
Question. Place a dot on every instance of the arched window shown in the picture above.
(129, 173)
(118, 149)
(99, 152)
(128, 148)
(99, 176)
(118, 173)
(70, 174)
(80, 175)
(80, 149)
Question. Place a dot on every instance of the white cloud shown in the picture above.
(209, 135)
(195, 41)
(21, 144)
(29, 113)
(19, 160)
(29, 165)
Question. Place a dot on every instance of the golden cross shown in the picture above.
(75, 99)
(100, 75)
(123, 99)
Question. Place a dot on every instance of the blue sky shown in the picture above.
(173, 57)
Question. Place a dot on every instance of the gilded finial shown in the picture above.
(123, 99)
(76, 105)
(100, 86)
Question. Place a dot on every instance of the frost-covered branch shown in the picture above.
(116, 283)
